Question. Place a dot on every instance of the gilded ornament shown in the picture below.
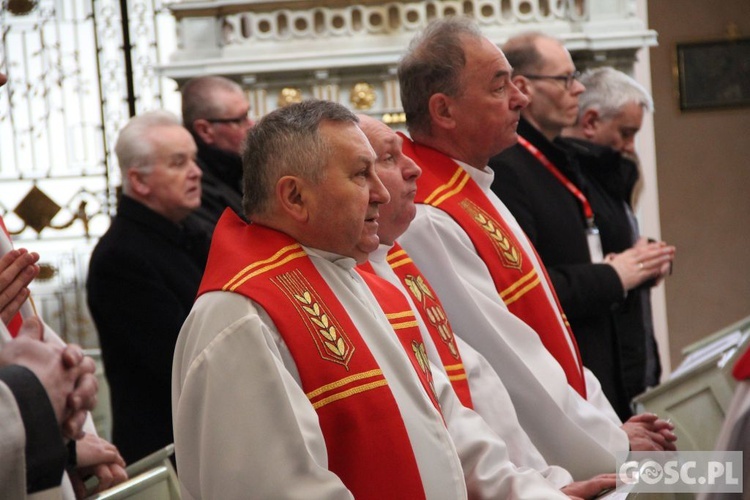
(362, 95)
(289, 95)
(46, 272)
(394, 118)
(37, 209)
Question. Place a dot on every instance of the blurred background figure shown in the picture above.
(215, 111)
(47, 389)
(39, 383)
(143, 277)
(610, 115)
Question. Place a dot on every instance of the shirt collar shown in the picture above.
(483, 177)
(346, 263)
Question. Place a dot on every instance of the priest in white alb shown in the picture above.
(288, 380)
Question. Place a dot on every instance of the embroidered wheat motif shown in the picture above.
(508, 251)
(435, 313)
(334, 343)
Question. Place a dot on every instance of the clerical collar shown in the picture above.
(342, 261)
(483, 177)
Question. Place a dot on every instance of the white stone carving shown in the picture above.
(323, 49)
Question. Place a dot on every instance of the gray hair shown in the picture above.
(608, 90)
(201, 98)
(433, 64)
(522, 53)
(134, 147)
(287, 142)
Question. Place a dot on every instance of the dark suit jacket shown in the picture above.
(143, 277)
(553, 219)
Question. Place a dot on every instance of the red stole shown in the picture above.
(368, 446)
(428, 304)
(401, 317)
(447, 186)
(15, 323)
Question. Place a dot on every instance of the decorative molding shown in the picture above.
(324, 49)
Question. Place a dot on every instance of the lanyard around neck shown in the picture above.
(587, 211)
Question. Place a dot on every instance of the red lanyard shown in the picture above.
(587, 211)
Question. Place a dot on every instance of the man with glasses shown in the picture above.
(461, 109)
(215, 111)
(540, 181)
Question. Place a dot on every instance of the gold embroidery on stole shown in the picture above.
(330, 339)
(510, 257)
(424, 363)
(435, 313)
(404, 320)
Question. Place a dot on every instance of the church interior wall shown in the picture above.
(703, 179)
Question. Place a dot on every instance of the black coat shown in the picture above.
(611, 179)
(221, 186)
(143, 277)
(591, 295)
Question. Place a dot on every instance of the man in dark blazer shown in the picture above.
(540, 181)
(143, 277)
(216, 112)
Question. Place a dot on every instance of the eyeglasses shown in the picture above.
(240, 120)
(566, 79)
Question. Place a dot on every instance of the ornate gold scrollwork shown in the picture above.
(362, 96)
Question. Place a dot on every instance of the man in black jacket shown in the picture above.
(143, 277)
(610, 115)
(215, 111)
(540, 181)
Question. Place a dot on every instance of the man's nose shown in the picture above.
(378, 192)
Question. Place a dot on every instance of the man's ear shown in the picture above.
(441, 111)
(138, 184)
(204, 130)
(589, 122)
(291, 197)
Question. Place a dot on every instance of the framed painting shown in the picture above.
(714, 74)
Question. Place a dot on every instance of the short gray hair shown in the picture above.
(608, 90)
(433, 64)
(287, 142)
(134, 147)
(201, 98)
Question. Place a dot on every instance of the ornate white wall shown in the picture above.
(286, 50)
